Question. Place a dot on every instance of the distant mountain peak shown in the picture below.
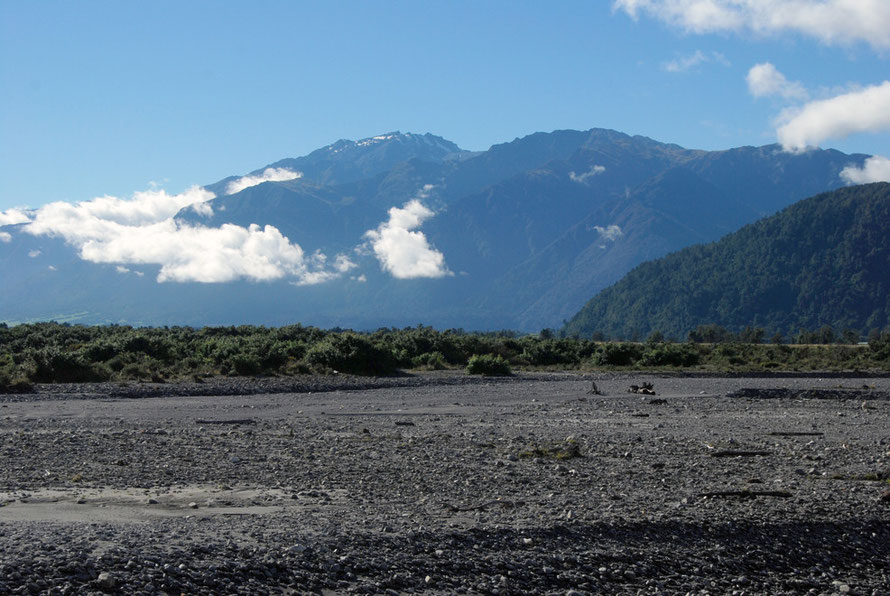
(347, 161)
(407, 138)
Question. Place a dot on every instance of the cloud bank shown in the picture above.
(142, 231)
(875, 169)
(765, 80)
(13, 217)
(268, 175)
(829, 21)
(864, 110)
(401, 250)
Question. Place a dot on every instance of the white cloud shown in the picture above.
(829, 21)
(13, 217)
(203, 209)
(593, 171)
(268, 175)
(5, 237)
(89, 219)
(402, 251)
(424, 192)
(121, 269)
(685, 63)
(142, 231)
(34, 253)
(864, 110)
(52, 268)
(765, 80)
(875, 169)
(609, 233)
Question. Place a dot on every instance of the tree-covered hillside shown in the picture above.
(822, 261)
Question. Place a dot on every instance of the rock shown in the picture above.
(106, 581)
(193, 505)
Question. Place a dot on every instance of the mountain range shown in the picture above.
(398, 229)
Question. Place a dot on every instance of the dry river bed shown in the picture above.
(443, 484)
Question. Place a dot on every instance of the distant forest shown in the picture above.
(62, 353)
(822, 263)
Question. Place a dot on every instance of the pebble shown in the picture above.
(106, 581)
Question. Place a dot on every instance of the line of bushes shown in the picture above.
(53, 352)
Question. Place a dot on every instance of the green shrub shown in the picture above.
(430, 361)
(56, 366)
(670, 355)
(486, 364)
(12, 383)
(246, 365)
(623, 354)
(134, 371)
(351, 353)
(549, 352)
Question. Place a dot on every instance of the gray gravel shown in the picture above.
(443, 484)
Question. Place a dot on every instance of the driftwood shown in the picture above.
(747, 493)
(232, 421)
(594, 390)
(644, 389)
(737, 453)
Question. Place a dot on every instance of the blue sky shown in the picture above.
(112, 98)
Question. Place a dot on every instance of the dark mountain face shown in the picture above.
(822, 261)
(526, 231)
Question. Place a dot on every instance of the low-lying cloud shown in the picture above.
(5, 237)
(863, 110)
(581, 178)
(875, 169)
(684, 63)
(609, 233)
(268, 175)
(765, 80)
(142, 231)
(829, 21)
(402, 251)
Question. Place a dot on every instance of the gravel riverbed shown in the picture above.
(444, 484)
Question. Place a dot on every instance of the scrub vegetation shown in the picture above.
(62, 353)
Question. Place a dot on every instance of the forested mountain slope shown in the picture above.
(822, 261)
